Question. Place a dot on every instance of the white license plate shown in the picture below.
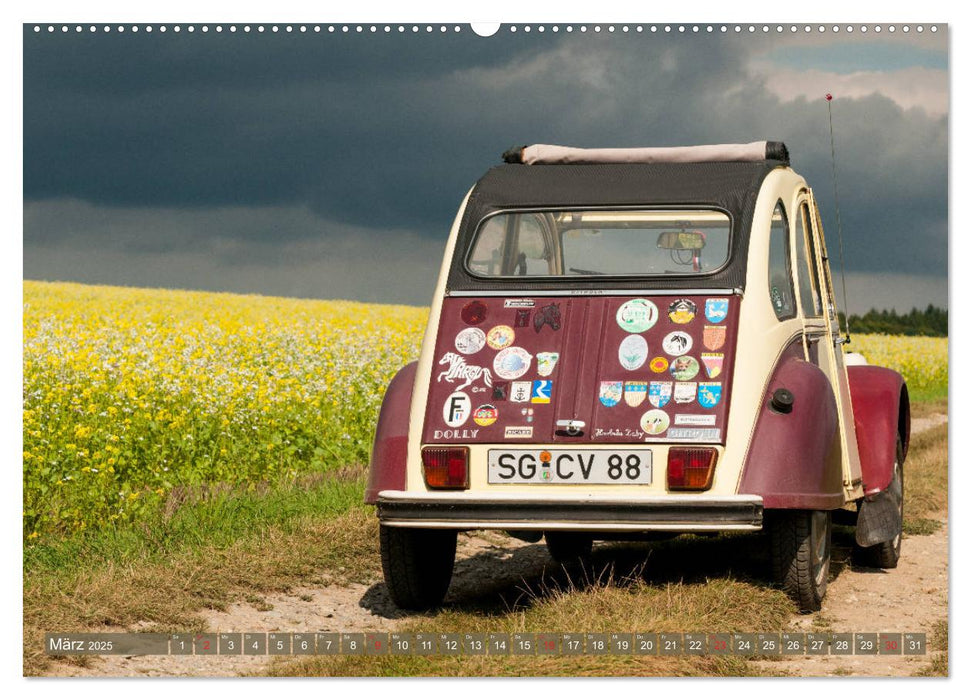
(569, 467)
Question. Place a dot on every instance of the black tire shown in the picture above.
(886, 554)
(417, 565)
(800, 554)
(569, 547)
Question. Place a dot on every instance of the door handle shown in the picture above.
(572, 427)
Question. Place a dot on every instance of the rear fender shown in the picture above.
(389, 458)
(787, 462)
(881, 411)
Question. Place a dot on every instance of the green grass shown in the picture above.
(605, 604)
(921, 526)
(220, 548)
(925, 475)
(194, 520)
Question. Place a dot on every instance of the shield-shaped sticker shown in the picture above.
(713, 363)
(635, 393)
(542, 390)
(659, 394)
(611, 393)
(709, 394)
(714, 337)
(716, 310)
(684, 392)
(546, 363)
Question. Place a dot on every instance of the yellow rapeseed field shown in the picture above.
(129, 393)
(922, 361)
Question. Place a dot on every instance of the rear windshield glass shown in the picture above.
(594, 243)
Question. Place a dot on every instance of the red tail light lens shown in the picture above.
(446, 467)
(691, 468)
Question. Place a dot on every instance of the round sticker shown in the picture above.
(659, 364)
(457, 408)
(512, 363)
(682, 310)
(470, 340)
(632, 352)
(637, 315)
(500, 337)
(485, 415)
(655, 422)
(684, 368)
(677, 343)
(474, 313)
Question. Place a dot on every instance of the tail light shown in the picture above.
(691, 468)
(446, 467)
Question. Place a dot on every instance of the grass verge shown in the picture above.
(925, 478)
(939, 642)
(206, 555)
(603, 605)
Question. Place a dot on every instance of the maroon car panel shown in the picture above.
(389, 457)
(876, 394)
(787, 460)
(509, 369)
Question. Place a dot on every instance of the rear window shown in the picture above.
(600, 243)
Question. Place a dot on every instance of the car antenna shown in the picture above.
(839, 223)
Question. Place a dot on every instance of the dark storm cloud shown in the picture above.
(388, 132)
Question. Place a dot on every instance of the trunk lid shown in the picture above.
(630, 368)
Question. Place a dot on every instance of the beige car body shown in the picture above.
(762, 339)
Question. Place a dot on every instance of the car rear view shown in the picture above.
(585, 374)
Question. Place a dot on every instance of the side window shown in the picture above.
(806, 264)
(529, 254)
(532, 258)
(780, 274)
(490, 246)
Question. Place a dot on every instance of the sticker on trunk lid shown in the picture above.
(677, 343)
(684, 392)
(637, 315)
(546, 363)
(682, 311)
(469, 341)
(635, 393)
(512, 363)
(611, 393)
(655, 422)
(632, 352)
(684, 368)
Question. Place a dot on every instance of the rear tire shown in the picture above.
(569, 547)
(885, 555)
(800, 555)
(417, 565)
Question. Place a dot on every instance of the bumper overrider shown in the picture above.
(590, 512)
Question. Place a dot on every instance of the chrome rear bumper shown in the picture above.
(590, 512)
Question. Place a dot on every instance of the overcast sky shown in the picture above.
(331, 165)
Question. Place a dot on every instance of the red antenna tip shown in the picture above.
(829, 97)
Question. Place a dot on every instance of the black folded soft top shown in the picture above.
(731, 186)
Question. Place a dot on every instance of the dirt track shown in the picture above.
(495, 569)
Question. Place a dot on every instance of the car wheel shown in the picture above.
(800, 554)
(569, 547)
(885, 555)
(417, 565)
